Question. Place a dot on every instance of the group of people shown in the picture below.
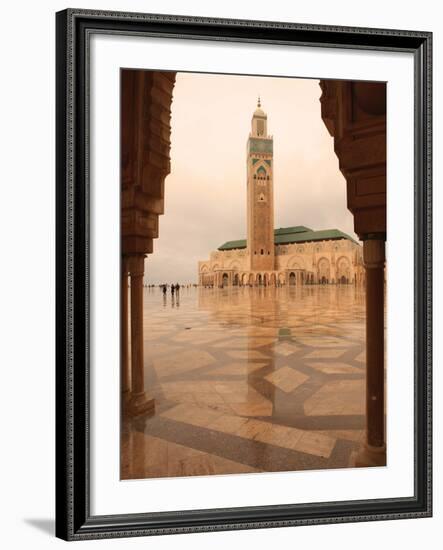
(174, 289)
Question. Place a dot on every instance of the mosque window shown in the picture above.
(261, 173)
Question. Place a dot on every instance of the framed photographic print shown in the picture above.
(243, 274)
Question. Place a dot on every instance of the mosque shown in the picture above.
(276, 257)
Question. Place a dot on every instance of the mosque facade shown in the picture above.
(295, 255)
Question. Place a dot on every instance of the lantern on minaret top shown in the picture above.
(260, 194)
(259, 121)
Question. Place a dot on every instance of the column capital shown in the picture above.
(136, 264)
(374, 253)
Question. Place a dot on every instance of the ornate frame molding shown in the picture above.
(74, 29)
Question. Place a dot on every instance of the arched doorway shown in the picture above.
(292, 279)
(323, 267)
(272, 279)
(236, 279)
(343, 270)
(259, 279)
(225, 279)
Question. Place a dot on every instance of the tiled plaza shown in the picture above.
(250, 380)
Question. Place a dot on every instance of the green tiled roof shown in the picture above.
(296, 234)
(295, 229)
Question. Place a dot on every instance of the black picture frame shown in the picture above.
(74, 521)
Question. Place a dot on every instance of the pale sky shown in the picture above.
(205, 193)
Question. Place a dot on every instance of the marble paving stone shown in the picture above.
(237, 369)
(208, 398)
(246, 354)
(320, 342)
(262, 408)
(285, 349)
(247, 397)
(281, 436)
(179, 397)
(253, 428)
(155, 349)
(184, 386)
(325, 353)
(233, 343)
(192, 414)
(335, 368)
(181, 362)
(227, 423)
(315, 444)
(349, 435)
(343, 397)
(287, 379)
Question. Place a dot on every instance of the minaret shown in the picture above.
(260, 201)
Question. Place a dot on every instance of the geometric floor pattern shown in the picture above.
(249, 380)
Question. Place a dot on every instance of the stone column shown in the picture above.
(125, 370)
(374, 453)
(139, 403)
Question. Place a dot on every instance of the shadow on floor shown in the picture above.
(42, 524)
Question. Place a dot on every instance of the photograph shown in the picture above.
(244, 275)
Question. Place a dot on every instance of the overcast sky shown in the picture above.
(205, 193)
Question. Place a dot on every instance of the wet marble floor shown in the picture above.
(249, 380)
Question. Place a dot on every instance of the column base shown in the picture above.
(138, 404)
(369, 456)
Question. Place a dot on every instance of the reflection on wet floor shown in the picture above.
(249, 380)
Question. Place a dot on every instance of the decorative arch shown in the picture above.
(343, 270)
(295, 262)
(204, 268)
(261, 171)
(324, 270)
(234, 265)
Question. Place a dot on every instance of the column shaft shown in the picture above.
(137, 369)
(374, 263)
